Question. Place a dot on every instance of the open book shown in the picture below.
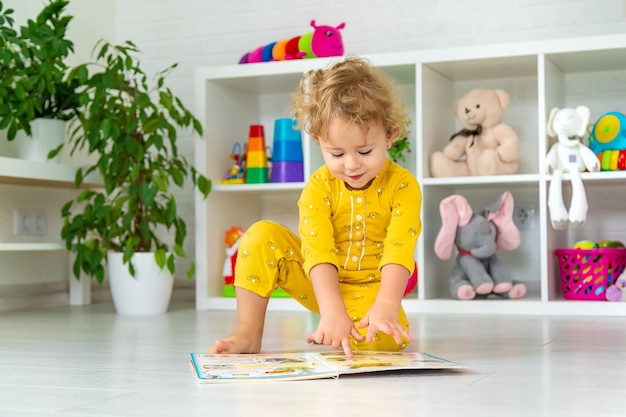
(213, 368)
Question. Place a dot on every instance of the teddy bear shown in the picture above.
(485, 145)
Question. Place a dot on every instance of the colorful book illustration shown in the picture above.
(212, 368)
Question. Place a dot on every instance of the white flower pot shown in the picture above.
(148, 292)
(47, 134)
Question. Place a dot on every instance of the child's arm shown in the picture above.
(397, 261)
(383, 315)
(335, 325)
(317, 235)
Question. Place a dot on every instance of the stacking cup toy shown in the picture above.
(287, 158)
(256, 159)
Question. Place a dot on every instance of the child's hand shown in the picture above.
(383, 317)
(335, 331)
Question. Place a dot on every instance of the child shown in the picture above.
(359, 222)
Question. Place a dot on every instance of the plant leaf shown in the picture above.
(171, 264)
(204, 185)
(160, 256)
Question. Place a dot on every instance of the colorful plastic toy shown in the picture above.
(235, 174)
(232, 238)
(324, 41)
(607, 139)
(257, 170)
(287, 158)
(616, 291)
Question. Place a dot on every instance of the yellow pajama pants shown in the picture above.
(269, 257)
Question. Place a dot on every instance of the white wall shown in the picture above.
(207, 32)
(93, 19)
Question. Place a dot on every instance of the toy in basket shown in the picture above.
(617, 291)
(586, 274)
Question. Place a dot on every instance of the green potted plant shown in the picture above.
(132, 127)
(36, 97)
(401, 146)
(397, 150)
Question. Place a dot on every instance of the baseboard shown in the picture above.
(35, 296)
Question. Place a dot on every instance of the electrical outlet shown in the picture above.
(21, 223)
(40, 224)
(30, 222)
(524, 215)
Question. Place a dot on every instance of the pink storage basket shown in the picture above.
(587, 273)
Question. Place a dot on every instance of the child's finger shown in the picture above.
(398, 331)
(313, 338)
(358, 336)
(371, 333)
(347, 349)
(401, 334)
(392, 331)
(405, 334)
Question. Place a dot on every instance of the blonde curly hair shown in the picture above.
(354, 91)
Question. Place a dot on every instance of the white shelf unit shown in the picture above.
(47, 174)
(32, 247)
(20, 172)
(14, 171)
(537, 75)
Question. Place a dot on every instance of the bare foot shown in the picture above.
(236, 344)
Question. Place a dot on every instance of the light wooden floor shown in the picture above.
(87, 361)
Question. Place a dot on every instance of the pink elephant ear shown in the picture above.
(507, 235)
(455, 212)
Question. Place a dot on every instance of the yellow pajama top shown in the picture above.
(360, 231)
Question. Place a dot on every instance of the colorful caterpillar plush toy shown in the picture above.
(607, 139)
(324, 41)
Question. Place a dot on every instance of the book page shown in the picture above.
(364, 361)
(246, 367)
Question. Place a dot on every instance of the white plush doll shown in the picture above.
(569, 154)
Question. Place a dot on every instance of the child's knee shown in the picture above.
(263, 226)
(263, 230)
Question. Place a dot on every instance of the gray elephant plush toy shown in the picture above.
(477, 271)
